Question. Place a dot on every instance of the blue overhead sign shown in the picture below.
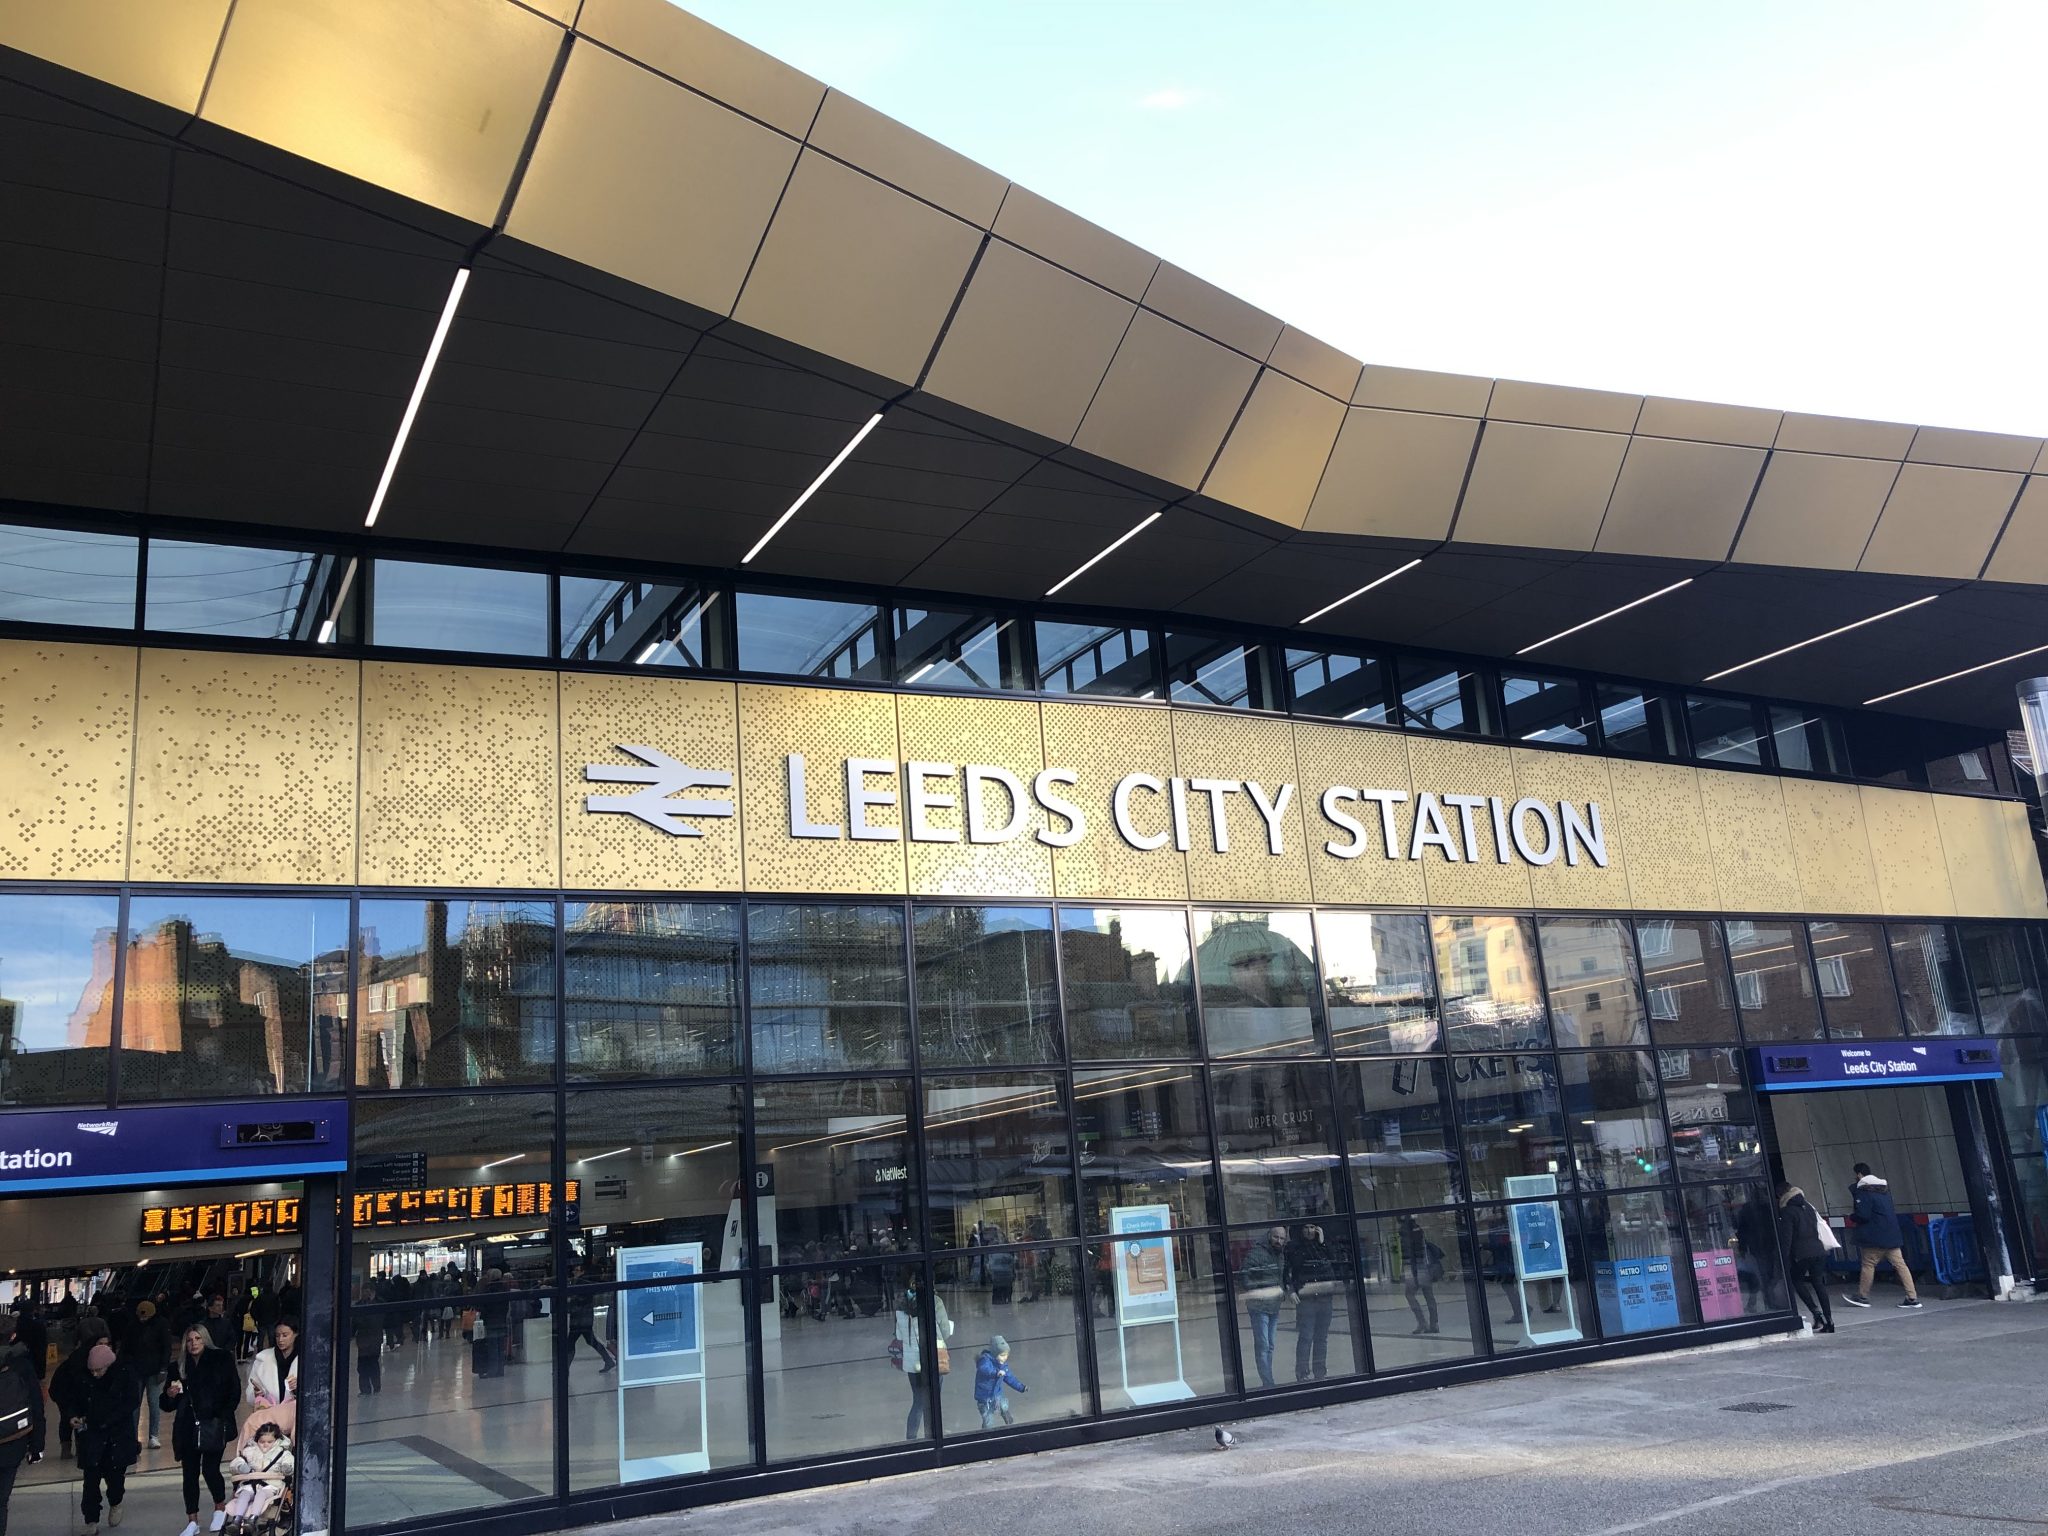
(1862, 1063)
(171, 1144)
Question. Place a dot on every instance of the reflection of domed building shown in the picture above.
(1258, 984)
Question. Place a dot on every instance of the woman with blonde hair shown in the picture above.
(202, 1392)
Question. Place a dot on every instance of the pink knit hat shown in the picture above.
(99, 1357)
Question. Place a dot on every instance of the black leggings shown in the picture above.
(1810, 1285)
(195, 1463)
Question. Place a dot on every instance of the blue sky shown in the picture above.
(1822, 206)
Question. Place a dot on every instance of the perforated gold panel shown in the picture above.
(459, 779)
(1830, 847)
(1977, 843)
(67, 717)
(1236, 749)
(694, 722)
(1446, 767)
(1002, 733)
(245, 769)
(1101, 743)
(1905, 847)
(2015, 834)
(1751, 844)
(1555, 776)
(1658, 818)
(826, 727)
(1336, 754)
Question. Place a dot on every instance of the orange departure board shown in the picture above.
(232, 1220)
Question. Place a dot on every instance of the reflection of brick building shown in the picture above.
(474, 1008)
(197, 1018)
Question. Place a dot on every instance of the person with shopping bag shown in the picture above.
(906, 1353)
(1807, 1239)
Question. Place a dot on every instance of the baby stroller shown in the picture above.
(275, 1513)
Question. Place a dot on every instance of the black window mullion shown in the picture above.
(558, 1158)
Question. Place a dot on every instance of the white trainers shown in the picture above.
(114, 1515)
(220, 1520)
(191, 1528)
(155, 1444)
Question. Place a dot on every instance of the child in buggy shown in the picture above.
(262, 1475)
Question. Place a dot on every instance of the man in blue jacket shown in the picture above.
(1876, 1221)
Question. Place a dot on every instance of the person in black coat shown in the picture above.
(1314, 1281)
(101, 1400)
(147, 1353)
(1799, 1236)
(203, 1392)
(26, 1388)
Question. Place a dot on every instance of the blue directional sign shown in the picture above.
(1866, 1063)
(663, 1319)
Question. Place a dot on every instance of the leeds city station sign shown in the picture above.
(886, 801)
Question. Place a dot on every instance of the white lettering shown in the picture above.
(1041, 791)
(1388, 799)
(919, 801)
(1466, 805)
(1271, 812)
(1500, 827)
(1585, 835)
(800, 823)
(1177, 796)
(979, 777)
(1120, 810)
(1431, 832)
(1219, 821)
(860, 799)
(1345, 822)
(1519, 826)
(31, 1159)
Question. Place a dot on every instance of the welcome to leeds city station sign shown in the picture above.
(886, 801)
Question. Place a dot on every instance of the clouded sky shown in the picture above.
(1834, 207)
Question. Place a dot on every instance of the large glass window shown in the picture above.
(1492, 990)
(1257, 972)
(987, 986)
(1378, 983)
(2004, 978)
(1617, 1127)
(644, 623)
(1541, 707)
(1018, 1318)
(998, 1165)
(809, 636)
(1129, 982)
(1439, 697)
(1724, 731)
(1276, 1132)
(455, 993)
(236, 589)
(1535, 1272)
(1712, 1115)
(480, 1210)
(827, 987)
(652, 988)
(1595, 993)
(1807, 740)
(1398, 1141)
(1423, 1291)
(1201, 669)
(1773, 981)
(1143, 1134)
(233, 996)
(67, 576)
(855, 1356)
(681, 1412)
(653, 1166)
(1686, 980)
(955, 648)
(2023, 1104)
(1075, 656)
(1642, 1270)
(1856, 990)
(1637, 720)
(467, 608)
(56, 998)
(837, 1158)
(1933, 990)
(1510, 1120)
(1339, 686)
(1161, 1315)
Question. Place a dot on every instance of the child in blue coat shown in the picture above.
(991, 1375)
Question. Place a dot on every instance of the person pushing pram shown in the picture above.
(261, 1475)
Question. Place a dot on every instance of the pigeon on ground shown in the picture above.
(1224, 1439)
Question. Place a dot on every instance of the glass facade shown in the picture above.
(839, 1149)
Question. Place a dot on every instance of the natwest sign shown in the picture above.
(885, 800)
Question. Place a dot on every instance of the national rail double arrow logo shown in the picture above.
(661, 778)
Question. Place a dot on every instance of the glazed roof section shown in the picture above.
(698, 270)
